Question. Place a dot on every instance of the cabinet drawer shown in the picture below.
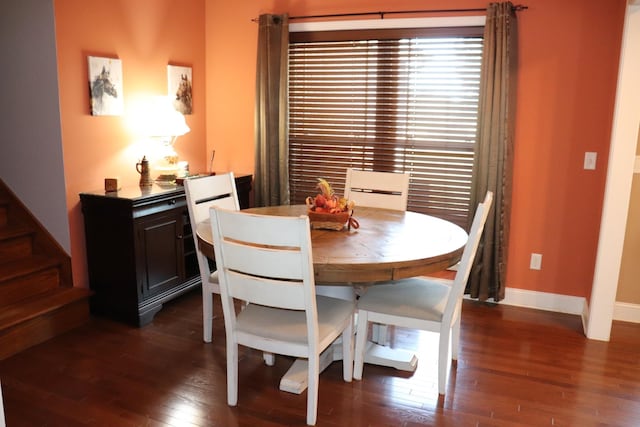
(160, 205)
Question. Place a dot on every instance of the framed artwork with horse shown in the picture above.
(180, 88)
(105, 86)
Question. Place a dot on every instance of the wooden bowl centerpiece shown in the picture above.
(328, 211)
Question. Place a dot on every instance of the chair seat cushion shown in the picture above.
(290, 325)
(417, 298)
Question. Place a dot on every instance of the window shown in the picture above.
(387, 100)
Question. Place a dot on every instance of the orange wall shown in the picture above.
(568, 67)
(569, 53)
(567, 82)
(146, 35)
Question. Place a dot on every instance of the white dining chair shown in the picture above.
(423, 303)
(267, 261)
(388, 190)
(201, 194)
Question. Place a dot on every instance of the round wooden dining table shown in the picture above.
(388, 245)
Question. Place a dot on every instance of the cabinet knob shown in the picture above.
(172, 201)
(180, 236)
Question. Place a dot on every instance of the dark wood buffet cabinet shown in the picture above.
(140, 250)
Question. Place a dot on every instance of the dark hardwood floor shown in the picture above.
(517, 367)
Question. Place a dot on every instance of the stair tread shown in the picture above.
(37, 301)
(16, 268)
(11, 231)
(40, 304)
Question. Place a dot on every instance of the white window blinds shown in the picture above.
(387, 100)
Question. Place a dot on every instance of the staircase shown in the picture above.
(37, 299)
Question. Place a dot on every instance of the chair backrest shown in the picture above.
(203, 193)
(266, 260)
(387, 190)
(468, 255)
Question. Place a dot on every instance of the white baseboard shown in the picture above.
(623, 311)
(545, 301)
(626, 312)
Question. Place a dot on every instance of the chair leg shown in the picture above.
(269, 358)
(361, 343)
(207, 314)
(312, 389)
(347, 352)
(443, 359)
(455, 339)
(232, 372)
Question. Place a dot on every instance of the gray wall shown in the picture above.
(31, 161)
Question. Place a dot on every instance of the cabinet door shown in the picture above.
(159, 257)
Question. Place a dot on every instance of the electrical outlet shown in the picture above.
(536, 262)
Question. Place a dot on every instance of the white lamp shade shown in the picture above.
(159, 118)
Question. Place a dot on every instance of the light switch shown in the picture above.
(536, 262)
(590, 160)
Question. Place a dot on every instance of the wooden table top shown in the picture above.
(389, 245)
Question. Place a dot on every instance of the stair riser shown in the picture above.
(15, 248)
(40, 329)
(37, 297)
(3, 216)
(27, 286)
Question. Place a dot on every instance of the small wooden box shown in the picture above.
(111, 185)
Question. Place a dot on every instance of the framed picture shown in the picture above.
(105, 86)
(180, 88)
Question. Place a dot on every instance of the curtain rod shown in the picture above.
(516, 8)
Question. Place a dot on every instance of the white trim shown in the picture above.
(368, 24)
(2, 421)
(626, 312)
(622, 152)
(585, 317)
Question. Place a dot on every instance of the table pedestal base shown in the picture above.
(296, 378)
(402, 360)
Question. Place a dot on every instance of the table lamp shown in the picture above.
(165, 124)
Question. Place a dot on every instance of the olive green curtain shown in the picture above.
(271, 179)
(493, 161)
